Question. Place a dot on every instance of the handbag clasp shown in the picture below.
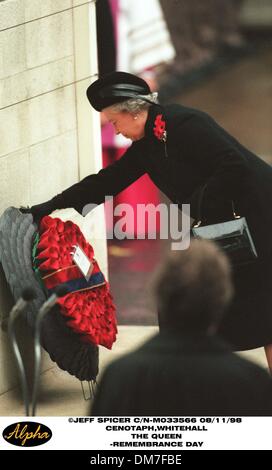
(233, 211)
(197, 224)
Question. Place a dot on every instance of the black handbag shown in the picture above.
(233, 236)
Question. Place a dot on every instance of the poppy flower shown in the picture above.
(159, 128)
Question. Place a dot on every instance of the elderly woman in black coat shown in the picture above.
(183, 150)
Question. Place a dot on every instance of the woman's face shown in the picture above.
(129, 125)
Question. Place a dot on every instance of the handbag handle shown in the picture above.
(199, 207)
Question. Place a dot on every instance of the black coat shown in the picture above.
(197, 152)
(170, 375)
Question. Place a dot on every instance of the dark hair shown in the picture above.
(193, 287)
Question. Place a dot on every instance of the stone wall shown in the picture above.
(47, 127)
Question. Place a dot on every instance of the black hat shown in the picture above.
(114, 88)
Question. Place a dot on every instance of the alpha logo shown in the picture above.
(27, 434)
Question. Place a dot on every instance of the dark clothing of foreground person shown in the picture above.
(173, 375)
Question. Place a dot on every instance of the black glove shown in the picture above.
(25, 210)
(40, 210)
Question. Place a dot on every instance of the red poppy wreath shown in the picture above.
(88, 306)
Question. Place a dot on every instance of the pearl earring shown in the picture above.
(135, 117)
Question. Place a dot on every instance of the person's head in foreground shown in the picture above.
(193, 288)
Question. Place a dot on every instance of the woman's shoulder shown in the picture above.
(178, 113)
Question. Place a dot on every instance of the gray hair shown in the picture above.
(135, 105)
